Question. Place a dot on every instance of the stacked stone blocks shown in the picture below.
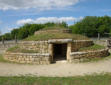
(44, 53)
(32, 58)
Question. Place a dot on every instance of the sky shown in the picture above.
(15, 13)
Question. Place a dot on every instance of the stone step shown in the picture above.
(61, 61)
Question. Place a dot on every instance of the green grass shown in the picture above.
(102, 79)
(18, 49)
(92, 48)
(2, 59)
(48, 35)
(95, 59)
(13, 48)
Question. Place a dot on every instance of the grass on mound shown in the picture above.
(92, 48)
(101, 79)
(17, 49)
(48, 35)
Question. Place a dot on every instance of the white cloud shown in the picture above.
(39, 4)
(25, 21)
(106, 10)
(48, 19)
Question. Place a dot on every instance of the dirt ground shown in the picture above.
(55, 70)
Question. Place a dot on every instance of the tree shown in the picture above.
(92, 25)
(0, 32)
(7, 36)
(14, 33)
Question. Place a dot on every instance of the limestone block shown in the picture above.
(27, 59)
(32, 59)
(37, 62)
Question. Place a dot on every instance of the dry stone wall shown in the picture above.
(39, 46)
(43, 46)
(82, 56)
(44, 52)
(77, 44)
(30, 58)
(6, 45)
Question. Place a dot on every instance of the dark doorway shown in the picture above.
(59, 52)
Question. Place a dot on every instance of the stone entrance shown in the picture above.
(59, 52)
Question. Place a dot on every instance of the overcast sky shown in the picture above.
(15, 13)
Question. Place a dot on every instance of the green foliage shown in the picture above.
(23, 33)
(92, 48)
(63, 24)
(54, 28)
(7, 36)
(26, 30)
(92, 25)
(14, 33)
(101, 79)
(13, 48)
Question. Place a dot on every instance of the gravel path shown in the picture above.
(59, 69)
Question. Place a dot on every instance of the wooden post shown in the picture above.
(3, 40)
(15, 39)
(98, 36)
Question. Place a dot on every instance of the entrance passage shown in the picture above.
(59, 52)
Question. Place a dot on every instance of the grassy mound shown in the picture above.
(17, 49)
(48, 35)
(92, 48)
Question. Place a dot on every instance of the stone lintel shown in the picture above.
(59, 41)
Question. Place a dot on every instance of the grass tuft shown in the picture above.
(2, 59)
(92, 48)
(17, 49)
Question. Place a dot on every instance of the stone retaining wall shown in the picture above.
(43, 46)
(77, 44)
(4, 47)
(82, 56)
(44, 50)
(31, 58)
(39, 46)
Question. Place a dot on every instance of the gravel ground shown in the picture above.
(55, 70)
